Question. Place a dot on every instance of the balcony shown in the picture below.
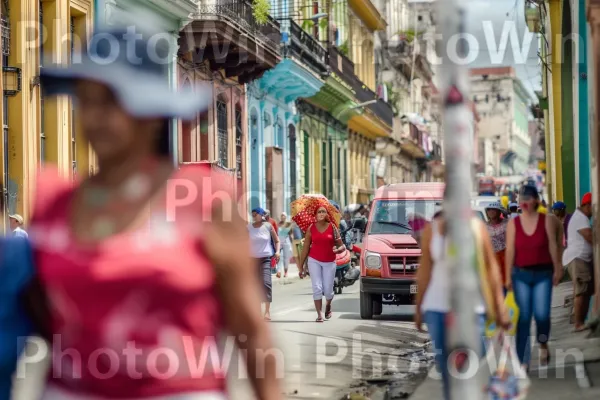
(342, 67)
(307, 49)
(436, 154)
(225, 34)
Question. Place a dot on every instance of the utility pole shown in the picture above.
(465, 337)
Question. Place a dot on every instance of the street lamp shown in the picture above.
(361, 105)
(318, 16)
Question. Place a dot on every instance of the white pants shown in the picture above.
(286, 255)
(322, 275)
(53, 392)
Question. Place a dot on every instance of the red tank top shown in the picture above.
(532, 251)
(321, 247)
(137, 313)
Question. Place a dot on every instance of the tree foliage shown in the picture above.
(260, 11)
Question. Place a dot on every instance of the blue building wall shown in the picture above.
(584, 123)
(272, 116)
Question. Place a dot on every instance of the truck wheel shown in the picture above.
(377, 305)
(366, 305)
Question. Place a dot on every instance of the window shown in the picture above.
(42, 125)
(316, 23)
(401, 216)
(222, 133)
(293, 178)
(280, 135)
(41, 89)
(73, 133)
(324, 161)
(338, 175)
(186, 133)
(307, 169)
(204, 135)
(239, 135)
(41, 32)
(5, 26)
(330, 171)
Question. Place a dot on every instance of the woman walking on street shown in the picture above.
(497, 230)
(285, 240)
(433, 301)
(533, 265)
(321, 244)
(265, 246)
(172, 274)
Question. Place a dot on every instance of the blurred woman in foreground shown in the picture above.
(138, 258)
(434, 283)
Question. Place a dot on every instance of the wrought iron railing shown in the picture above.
(344, 67)
(240, 12)
(341, 64)
(307, 48)
(5, 31)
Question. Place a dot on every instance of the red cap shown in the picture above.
(586, 199)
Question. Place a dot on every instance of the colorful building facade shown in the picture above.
(275, 133)
(37, 130)
(566, 85)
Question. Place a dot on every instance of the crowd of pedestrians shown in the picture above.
(526, 251)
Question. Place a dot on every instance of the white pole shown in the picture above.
(464, 336)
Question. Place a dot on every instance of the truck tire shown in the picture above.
(366, 305)
(377, 305)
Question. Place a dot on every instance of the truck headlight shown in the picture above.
(372, 260)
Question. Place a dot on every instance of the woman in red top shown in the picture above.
(533, 265)
(321, 243)
(137, 260)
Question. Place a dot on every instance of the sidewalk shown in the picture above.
(574, 370)
(291, 278)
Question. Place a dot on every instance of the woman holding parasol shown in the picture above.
(316, 216)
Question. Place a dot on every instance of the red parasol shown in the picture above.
(304, 210)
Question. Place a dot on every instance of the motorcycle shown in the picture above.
(348, 273)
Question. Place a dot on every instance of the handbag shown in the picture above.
(506, 378)
(513, 312)
(343, 258)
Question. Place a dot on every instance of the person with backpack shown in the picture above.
(265, 246)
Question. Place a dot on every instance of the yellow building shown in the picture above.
(38, 130)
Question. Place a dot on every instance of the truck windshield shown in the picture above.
(401, 216)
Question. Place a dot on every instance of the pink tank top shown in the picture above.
(137, 314)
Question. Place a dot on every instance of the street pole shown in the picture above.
(464, 337)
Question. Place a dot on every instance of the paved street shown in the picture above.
(313, 368)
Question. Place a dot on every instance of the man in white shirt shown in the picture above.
(16, 222)
(578, 259)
